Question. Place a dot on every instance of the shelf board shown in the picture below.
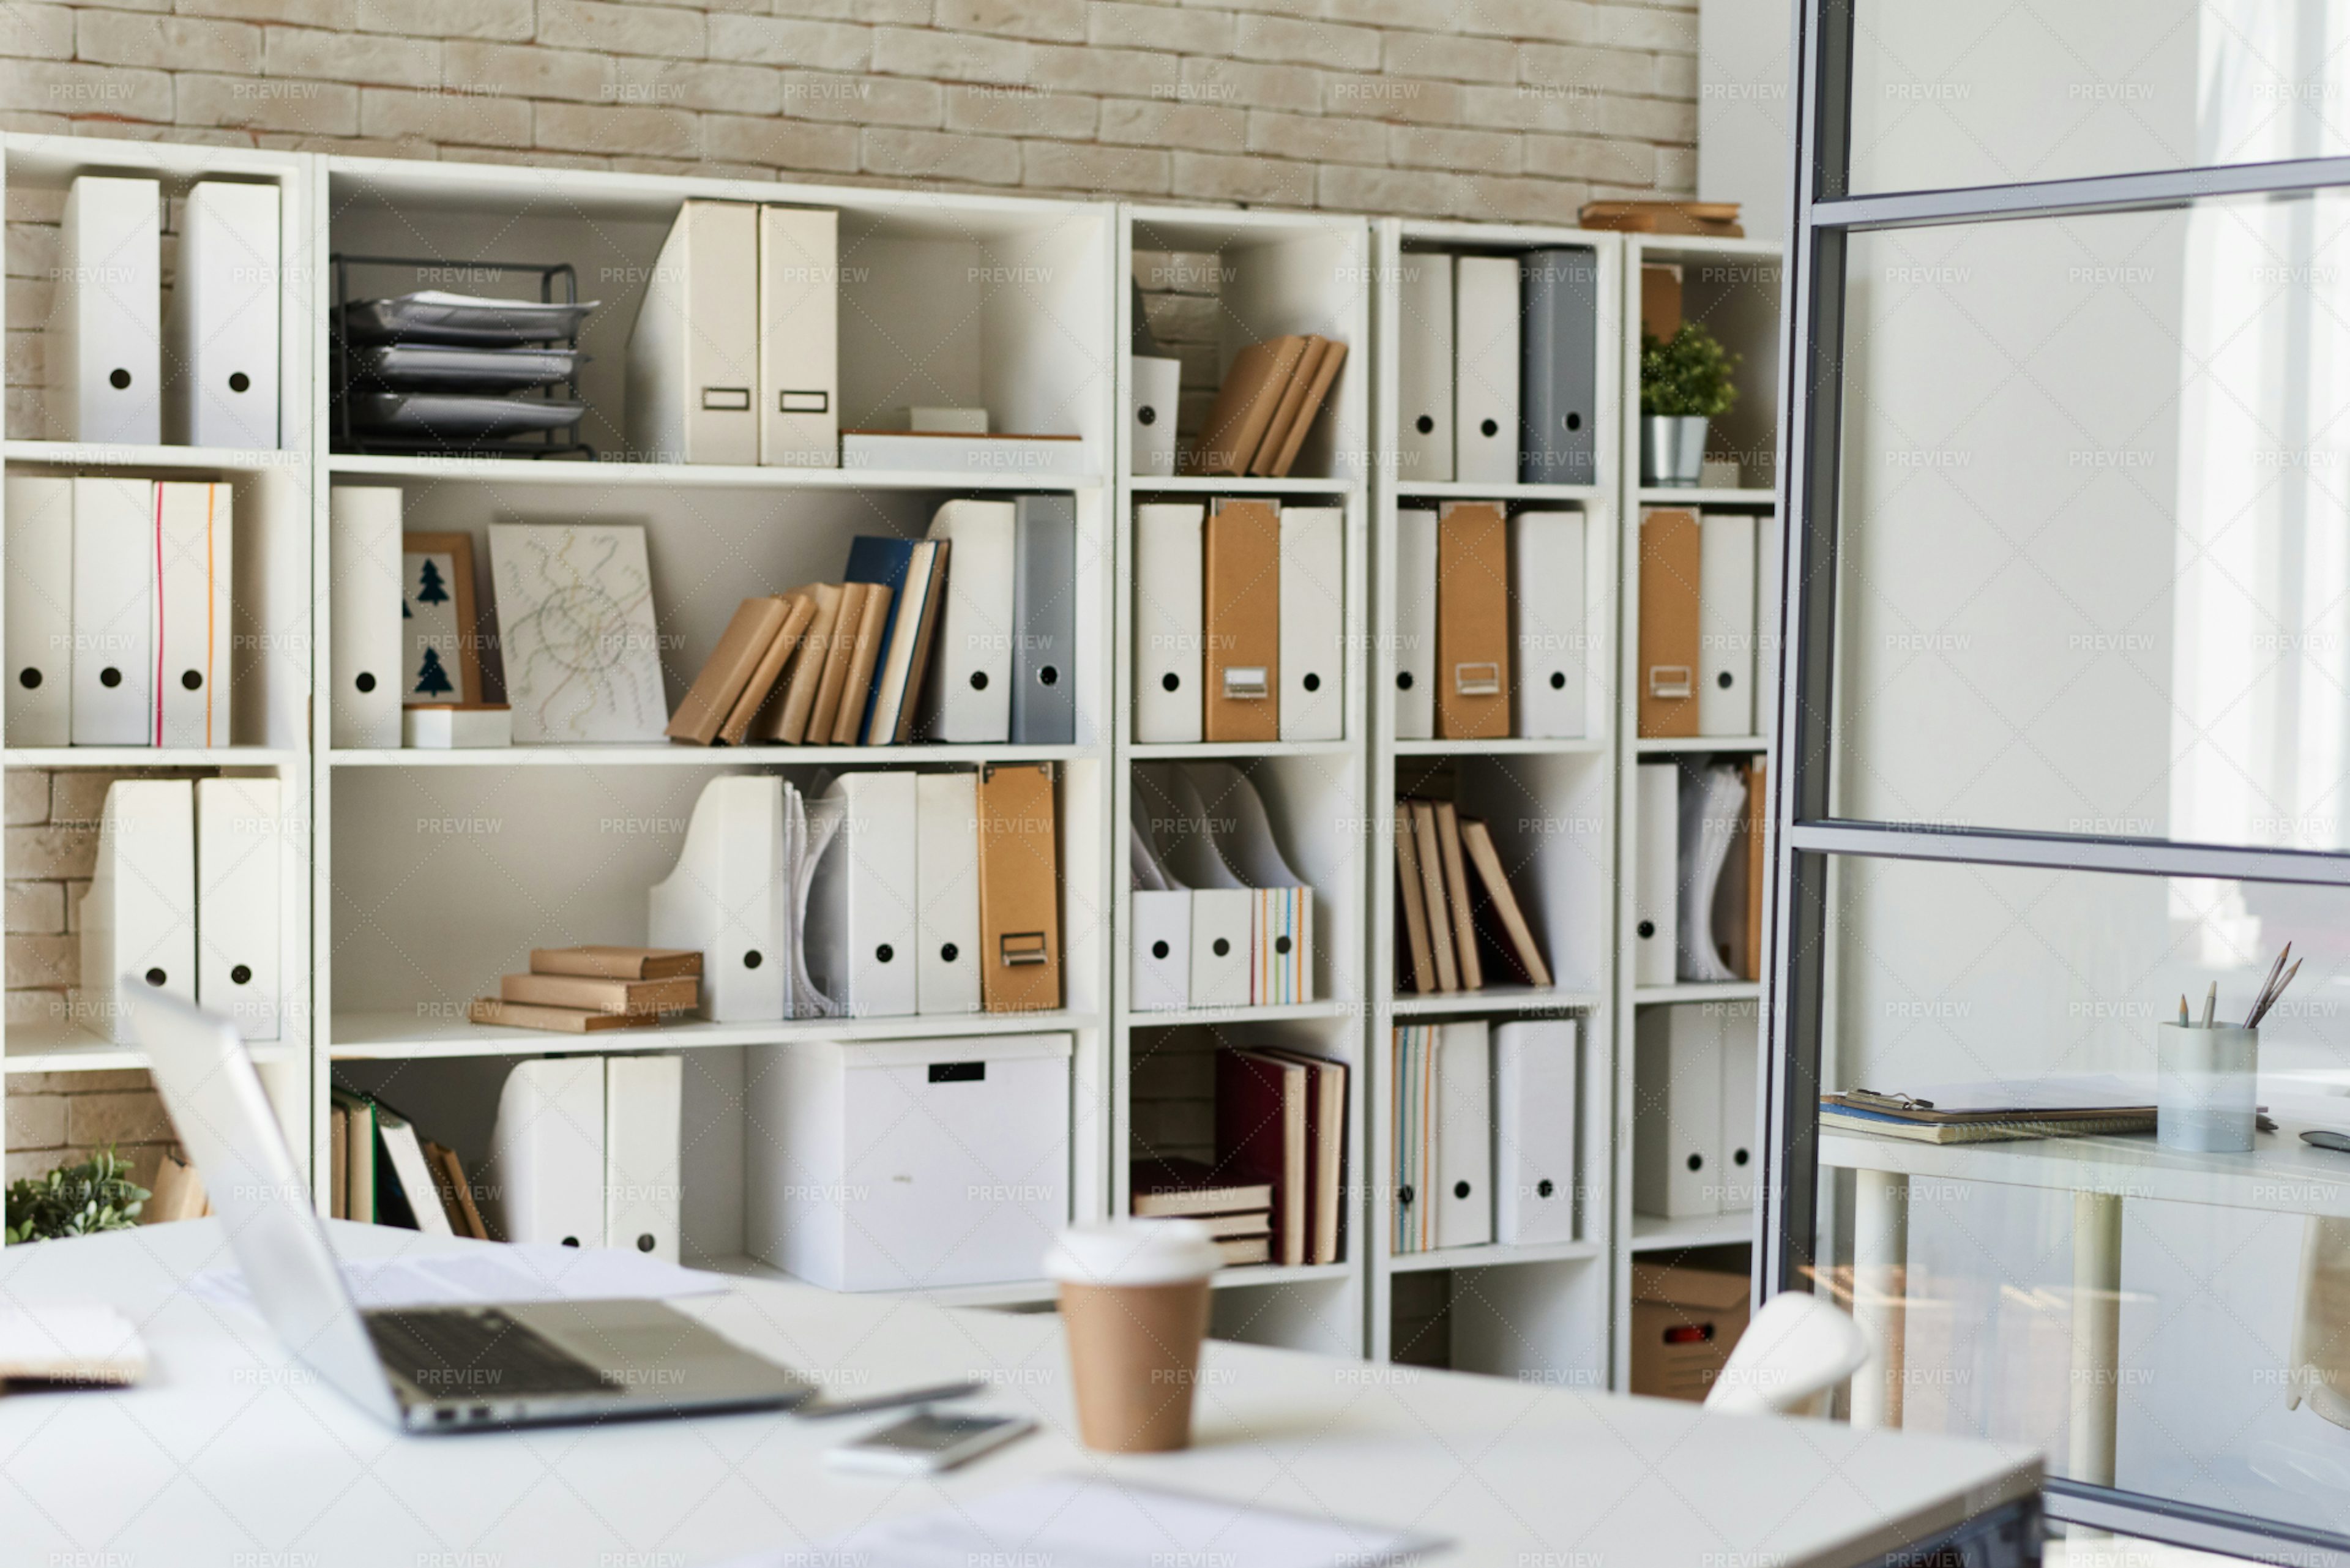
(1698, 495)
(1195, 751)
(1507, 747)
(526, 470)
(665, 755)
(1468, 490)
(1698, 991)
(118, 455)
(1233, 484)
(1238, 1276)
(1650, 1234)
(1648, 745)
(1498, 998)
(1178, 1017)
(1499, 1253)
(63, 1047)
(148, 757)
(378, 1037)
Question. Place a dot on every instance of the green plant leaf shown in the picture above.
(1689, 376)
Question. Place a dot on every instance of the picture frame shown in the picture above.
(440, 627)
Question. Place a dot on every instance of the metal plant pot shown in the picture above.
(1672, 449)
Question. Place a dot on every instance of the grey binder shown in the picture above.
(1558, 371)
(1043, 620)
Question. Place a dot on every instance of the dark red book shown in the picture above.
(1261, 1107)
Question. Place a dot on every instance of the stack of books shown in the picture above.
(1266, 406)
(1238, 1213)
(379, 1172)
(585, 989)
(1281, 1120)
(1717, 220)
(1450, 929)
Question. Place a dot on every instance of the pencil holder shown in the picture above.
(2204, 1082)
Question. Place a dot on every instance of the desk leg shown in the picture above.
(2096, 1335)
(1880, 1266)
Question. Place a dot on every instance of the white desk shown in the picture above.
(230, 1455)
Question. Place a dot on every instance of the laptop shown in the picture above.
(428, 1369)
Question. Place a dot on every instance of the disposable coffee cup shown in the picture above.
(1134, 1304)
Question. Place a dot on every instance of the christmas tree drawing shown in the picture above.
(431, 681)
(428, 585)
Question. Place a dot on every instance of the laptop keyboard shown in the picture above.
(477, 1353)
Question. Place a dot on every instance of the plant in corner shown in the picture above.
(1686, 380)
(75, 1200)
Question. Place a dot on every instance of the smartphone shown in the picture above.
(928, 1441)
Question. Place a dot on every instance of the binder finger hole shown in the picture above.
(120, 379)
(1312, 682)
(1223, 947)
(1170, 680)
(155, 976)
(30, 678)
(109, 677)
(752, 958)
(1158, 950)
(238, 381)
(192, 679)
(363, 681)
(243, 975)
(1050, 675)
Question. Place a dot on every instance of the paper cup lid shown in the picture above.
(1133, 1253)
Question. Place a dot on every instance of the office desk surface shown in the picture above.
(232, 1454)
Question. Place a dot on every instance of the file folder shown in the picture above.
(221, 331)
(799, 337)
(192, 546)
(1551, 613)
(1313, 623)
(861, 929)
(1222, 912)
(239, 882)
(39, 610)
(1019, 888)
(1656, 881)
(1415, 599)
(1241, 617)
(728, 900)
(810, 829)
(363, 566)
(1043, 620)
(1741, 1074)
(644, 1178)
(1558, 371)
(1485, 386)
(1168, 598)
(946, 884)
(693, 354)
(105, 329)
(1670, 564)
(1281, 932)
(1725, 596)
(1424, 368)
(114, 547)
(1473, 621)
(1157, 385)
(1533, 1132)
(1160, 956)
(968, 695)
(547, 1153)
(1464, 1135)
(1677, 1111)
(139, 917)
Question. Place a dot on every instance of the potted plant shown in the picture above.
(75, 1200)
(1685, 381)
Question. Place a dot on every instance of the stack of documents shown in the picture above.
(1448, 927)
(457, 368)
(2085, 1105)
(1491, 616)
(1266, 406)
(1219, 918)
(1237, 1212)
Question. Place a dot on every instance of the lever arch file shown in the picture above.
(1242, 620)
(1656, 886)
(1160, 956)
(968, 695)
(546, 1152)
(1312, 618)
(192, 546)
(861, 928)
(946, 891)
(1044, 621)
(1741, 1070)
(1533, 1132)
(1222, 909)
(693, 354)
(1677, 1110)
(644, 1111)
(1670, 558)
(1485, 388)
(1424, 368)
(728, 901)
(105, 334)
(238, 870)
(39, 610)
(114, 549)
(1558, 366)
(1725, 603)
(1416, 599)
(1019, 888)
(1168, 598)
(1156, 384)
(139, 917)
(1551, 613)
(1464, 1135)
(363, 568)
(1472, 622)
(799, 337)
(223, 326)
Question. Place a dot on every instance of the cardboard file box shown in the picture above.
(1684, 1321)
(909, 1164)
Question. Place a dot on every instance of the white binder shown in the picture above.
(105, 333)
(1158, 384)
(1677, 1111)
(363, 597)
(1485, 386)
(1725, 615)
(799, 337)
(1533, 1132)
(139, 917)
(728, 901)
(39, 610)
(1222, 909)
(946, 885)
(546, 1152)
(968, 698)
(1313, 623)
(1169, 607)
(114, 612)
(1281, 931)
(1768, 576)
(1424, 368)
(644, 1182)
(222, 330)
(1415, 597)
(860, 926)
(1548, 596)
(1741, 1074)
(1656, 880)
(192, 527)
(693, 354)
(1160, 955)
(239, 881)
(1464, 1135)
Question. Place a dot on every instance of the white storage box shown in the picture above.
(907, 1164)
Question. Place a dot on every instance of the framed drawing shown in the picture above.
(575, 607)
(440, 632)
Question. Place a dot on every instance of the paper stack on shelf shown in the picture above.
(1281, 1122)
(1451, 926)
(436, 367)
(1268, 402)
(1213, 886)
(1237, 1213)
(2076, 1105)
(581, 990)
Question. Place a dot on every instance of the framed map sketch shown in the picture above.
(440, 633)
(575, 624)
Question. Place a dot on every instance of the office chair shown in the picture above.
(1791, 1359)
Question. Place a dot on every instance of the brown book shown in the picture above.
(1245, 404)
(787, 721)
(1256, 1222)
(1261, 1111)
(1670, 627)
(798, 610)
(871, 622)
(1432, 893)
(1408, 897)
(597, 962)
(1473, 621)
(839, 653)
(1326, 375)
(1325, 1151)
(640, 997)
(1718, 220)
(1286, 412)
(1738, 898)
(1241, 615)
(1244, 1250)
(457, 1192)
(1458, 914)
(1479, 843)
(443, 1190)
(1660, 299)
(1019, 889)
(926, 632)
(557, 1020)
(339, 1163)
(715, 690)
(1192, 1187)
(179, 1193)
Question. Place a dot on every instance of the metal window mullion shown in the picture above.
(2059, 198)
(2064, 852)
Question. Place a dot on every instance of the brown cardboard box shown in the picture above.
(1684, 1324)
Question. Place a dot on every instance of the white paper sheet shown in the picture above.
(509, 1273)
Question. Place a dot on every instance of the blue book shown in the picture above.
(883, 561)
